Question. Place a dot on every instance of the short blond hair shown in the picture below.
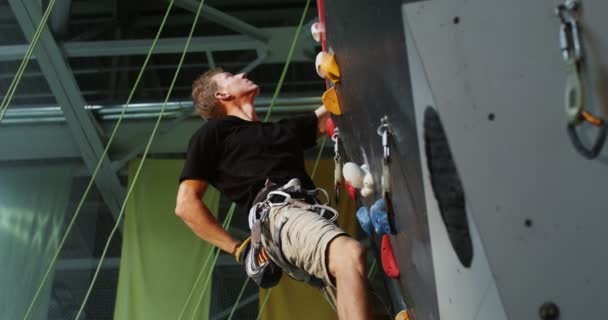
(203, 96)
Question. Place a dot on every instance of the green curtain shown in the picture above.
(161, 257)
(33, 202)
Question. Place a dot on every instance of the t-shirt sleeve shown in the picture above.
(202, 154)
(304, 127)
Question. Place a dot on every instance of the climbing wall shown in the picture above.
(497, 214)
(367, 38)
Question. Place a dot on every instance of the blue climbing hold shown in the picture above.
(380, 218)
(364, 220)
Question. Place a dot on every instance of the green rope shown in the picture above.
(203, 291)
(238, 299)
(198, 279)
(97, 168)
(289, 56)
(26, 59)
(321, 147)
(268, 292)
(227, 221)
(217, 253)
(372, 269)
(149, 144)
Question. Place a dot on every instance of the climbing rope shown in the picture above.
(268, 292)
(96, 171)
(225, 225)
(574, 97)
(209, 274)
(26, 59)
(238, 299)
(143, 158)
(287, 61)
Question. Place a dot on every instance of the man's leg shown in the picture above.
(346, 262)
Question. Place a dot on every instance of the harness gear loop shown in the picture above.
(574, 93)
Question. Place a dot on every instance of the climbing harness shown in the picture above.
(293, 195)
(574, 98)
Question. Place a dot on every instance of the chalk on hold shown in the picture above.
(380, 217)
(353, 174)
(330, 101)
(368, 182)
(364, 220)
(389, 263)
(326, 66)
(316, 29)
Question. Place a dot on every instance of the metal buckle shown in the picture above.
(384, 131)
(569, 37)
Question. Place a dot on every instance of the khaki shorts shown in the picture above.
(304, 239)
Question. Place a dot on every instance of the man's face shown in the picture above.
(237, 85)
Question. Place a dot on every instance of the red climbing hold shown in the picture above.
(350, 190)
(389, 263)
(330, 127)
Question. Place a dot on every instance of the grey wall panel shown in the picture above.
(502, 58)
(462, 293)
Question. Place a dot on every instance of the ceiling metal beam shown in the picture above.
(226, 20)
(63, 84)
(60, 17)
(278, 46)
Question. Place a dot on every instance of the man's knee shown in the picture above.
(346, 255)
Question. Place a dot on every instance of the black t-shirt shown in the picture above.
(237, 156)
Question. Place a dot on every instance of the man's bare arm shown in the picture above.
(322, 116)
(197, 216)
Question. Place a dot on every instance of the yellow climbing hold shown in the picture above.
(404, 315)
(330, 101)
(327, 68)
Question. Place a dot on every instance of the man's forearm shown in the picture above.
(198, 217)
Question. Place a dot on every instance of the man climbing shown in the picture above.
(260, 166)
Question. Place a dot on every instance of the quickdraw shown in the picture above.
(334, 133)
(337, 164)
(385, 132)
(572, 53)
